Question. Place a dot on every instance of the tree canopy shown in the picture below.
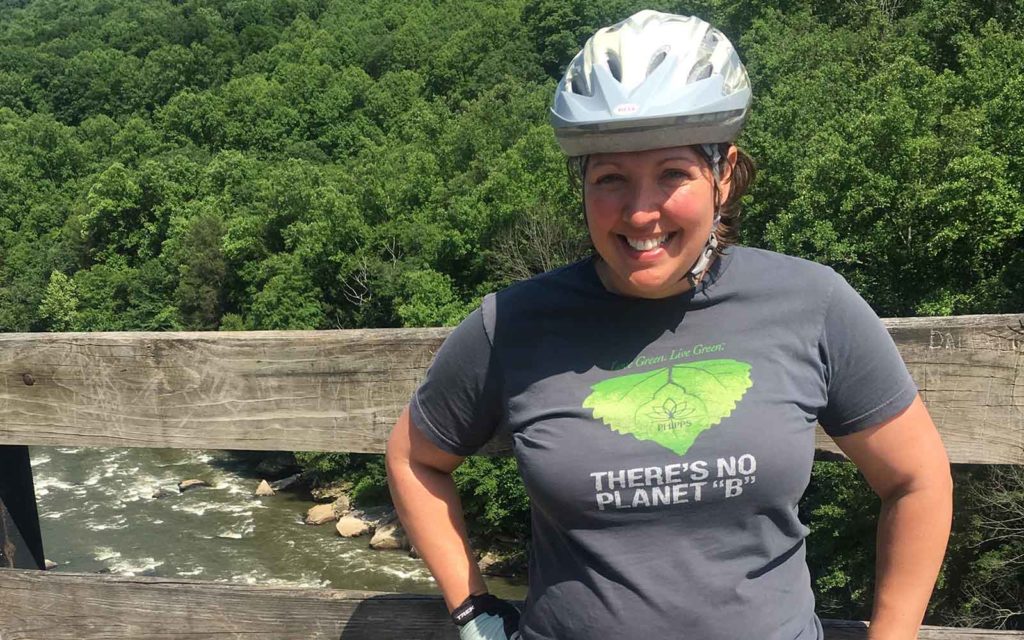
(315, 164)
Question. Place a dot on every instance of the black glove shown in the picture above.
(486, 617)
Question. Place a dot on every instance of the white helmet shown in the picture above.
(653, 80)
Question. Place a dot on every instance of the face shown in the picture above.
(649, 214)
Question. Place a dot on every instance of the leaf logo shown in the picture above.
(673, 405)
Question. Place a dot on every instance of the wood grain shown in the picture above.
(342, 390)
(66, 606)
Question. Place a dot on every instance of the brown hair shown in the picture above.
(740, 180)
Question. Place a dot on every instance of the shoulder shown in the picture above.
(571, 277)
(776, 273)
(566, 285)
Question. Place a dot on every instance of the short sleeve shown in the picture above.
(867, 381)
(458, 405)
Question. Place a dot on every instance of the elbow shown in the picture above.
(936, 484)
(396, 456)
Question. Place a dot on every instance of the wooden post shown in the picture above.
(21, 542)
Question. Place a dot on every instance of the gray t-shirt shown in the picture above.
(665, 443)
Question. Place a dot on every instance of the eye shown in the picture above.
(676, 175)
(609, 178)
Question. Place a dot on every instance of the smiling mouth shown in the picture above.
(647, 244)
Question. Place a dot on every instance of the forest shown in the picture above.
(329, 164)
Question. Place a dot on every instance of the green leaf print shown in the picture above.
(671, 406)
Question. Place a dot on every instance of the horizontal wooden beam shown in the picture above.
(342, 390)
(67, 606)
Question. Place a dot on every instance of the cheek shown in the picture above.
(691, 207)
(601, 211)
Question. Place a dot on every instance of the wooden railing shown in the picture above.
(337, 391)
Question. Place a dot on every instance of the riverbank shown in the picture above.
(499, 555)
(97, 514)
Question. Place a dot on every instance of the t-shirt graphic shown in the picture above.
(672, 405)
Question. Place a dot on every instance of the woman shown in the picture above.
(662, 395)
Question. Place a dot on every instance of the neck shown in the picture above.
(614, 284)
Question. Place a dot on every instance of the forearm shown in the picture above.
(431, 513)
(913, 530)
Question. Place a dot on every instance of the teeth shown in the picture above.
(648, 244)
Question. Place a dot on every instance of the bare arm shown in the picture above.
(419, 475)
(905, 463)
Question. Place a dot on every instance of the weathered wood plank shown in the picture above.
(853, 630)
(64, 606)
(970, 370)
(342, 390)
(59, 606)
(303, 390)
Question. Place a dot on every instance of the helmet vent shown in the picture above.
(701, 71)
(657, 59)
(579, 88)
(614, 66)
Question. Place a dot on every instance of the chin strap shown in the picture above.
(714, 156)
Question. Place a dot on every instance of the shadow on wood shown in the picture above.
(21, 543)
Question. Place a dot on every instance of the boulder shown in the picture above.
(389, 536)
(284, 483)
(186, 485)
(341, 506)
(320, 514)
(376, 516)
(503, 561)
(330, 492)
(488, 562)
(264, 489)
(161, 493)
(352, 527)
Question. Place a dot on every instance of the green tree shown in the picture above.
(202, 273)
(58, 310)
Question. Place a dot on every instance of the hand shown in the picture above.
(486, 617)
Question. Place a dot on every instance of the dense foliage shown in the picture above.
(310, 164)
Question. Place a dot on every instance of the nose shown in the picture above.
(643, 207)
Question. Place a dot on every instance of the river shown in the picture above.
(98, 514)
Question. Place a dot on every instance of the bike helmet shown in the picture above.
(653, 80)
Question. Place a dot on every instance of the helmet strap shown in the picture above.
(700, 267)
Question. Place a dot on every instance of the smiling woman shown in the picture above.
(650, 214)
(734, 355)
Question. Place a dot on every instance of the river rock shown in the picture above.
(161, 493)
(284, 483)
(389, 536)
(341, 506)
(49, 564)
(330, 492)
(264, 489)
(488, 562)
(185, 485)
(375, 516)
(413, 553)
(504, 561)
(351, 527)
(320, 514)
